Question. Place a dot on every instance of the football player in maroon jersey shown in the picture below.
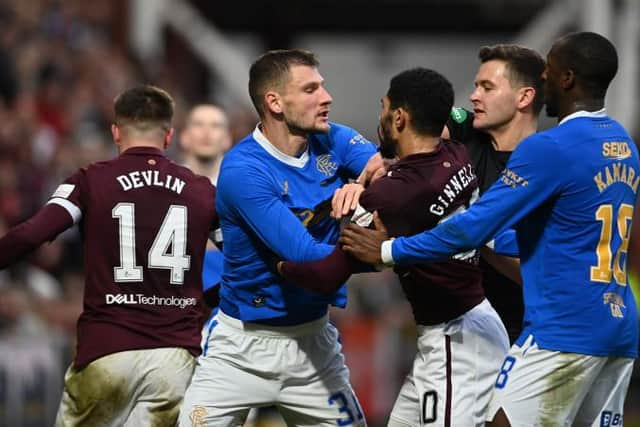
(461, 338)
(144, 222)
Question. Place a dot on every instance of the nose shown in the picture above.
(475, 95)
(326, 96)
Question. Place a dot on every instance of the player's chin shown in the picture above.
(478, 123)
(322, 125)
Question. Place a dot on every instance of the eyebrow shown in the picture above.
(484, 82)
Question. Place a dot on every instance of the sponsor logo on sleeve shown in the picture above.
(63, 191)
(358, 139)
(512, 179)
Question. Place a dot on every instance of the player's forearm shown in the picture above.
(324, 276)
(44, 226)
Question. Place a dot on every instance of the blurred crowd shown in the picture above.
(61, 66)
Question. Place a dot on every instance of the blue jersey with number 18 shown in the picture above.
(271, 202)
(570, 191)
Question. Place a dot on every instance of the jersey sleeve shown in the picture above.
(353, 149)
(529, 180)
(505, 243)
(71, 195)
(63, 209)
(253, 197)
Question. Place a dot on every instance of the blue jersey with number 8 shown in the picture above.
(570, 192)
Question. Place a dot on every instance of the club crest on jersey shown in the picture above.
(197, 415)
(325, 165)
(615, 302)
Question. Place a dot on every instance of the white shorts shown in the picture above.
(299, 369)
(543, 387)
(454, 371)
(129, 388)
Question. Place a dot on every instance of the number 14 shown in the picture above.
(172, 234)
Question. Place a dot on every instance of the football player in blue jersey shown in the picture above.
(570, 192)
(271, 342)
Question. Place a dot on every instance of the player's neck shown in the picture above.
(138, 143)
(417, 144)
(587, 104)
(280, 137)
(507, 137)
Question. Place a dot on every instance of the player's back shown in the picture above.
(418, 192)
(574, 247)
(145, 222)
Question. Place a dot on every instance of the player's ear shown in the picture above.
(274, 102)
(567, 79)
(115, 133)
(526, 96)
(168, 137)
(399, 117)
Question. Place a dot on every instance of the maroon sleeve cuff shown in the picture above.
(324, 276)
(44, 226)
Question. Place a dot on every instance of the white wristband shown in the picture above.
(385, 252)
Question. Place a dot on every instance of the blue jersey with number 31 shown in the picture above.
(570, 192)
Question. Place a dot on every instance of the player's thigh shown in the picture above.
(221, 394)
(604, 403)
(476, 352)
(323, 406)
(167, 373)
(406, 409)
(101, 393)
(237, 373)
(454, 371)
(542, 387)
(316, 389)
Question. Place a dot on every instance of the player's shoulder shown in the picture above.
(544, 145)
(245, 151)
(456, 152)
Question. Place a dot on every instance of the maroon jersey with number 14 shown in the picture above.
(145, 221)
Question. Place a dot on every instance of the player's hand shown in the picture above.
(374, 169)
(364, 243)
(345, 200)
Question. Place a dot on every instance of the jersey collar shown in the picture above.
(139, 151)
(582, 113)
(296, 162)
